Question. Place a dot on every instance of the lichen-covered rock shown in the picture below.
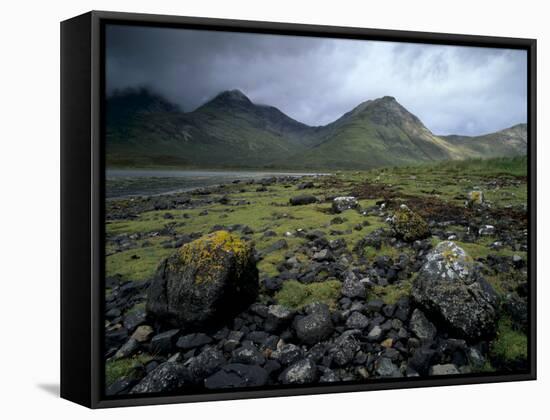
(408, 225)
(301, 372)
(450, 286)
(204, 280)
(340, 204)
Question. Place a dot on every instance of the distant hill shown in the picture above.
(144, 129)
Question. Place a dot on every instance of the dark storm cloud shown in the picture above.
(451, 89)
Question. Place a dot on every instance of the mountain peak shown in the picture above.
(234, 95)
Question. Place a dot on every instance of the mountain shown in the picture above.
(144, 129)
(509, 142)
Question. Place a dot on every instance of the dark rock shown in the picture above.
(278, 318)
(128, 349)
(248, 355)
(316, 326)
(451, 286)
(166, 377)
(272, 284)
(121, 386)
(375, 334)
(301, 372)
(237, 375)
(305, 185)
(375, 305)
(357, 321)
(288, 354)
(205, 364)
(353, 288)
(344, 349)
(421, 326)
(191, 341)
(204, 281)
(422, 359)
(323, 255)
(301, 200)
(164, 342)
(233, 340)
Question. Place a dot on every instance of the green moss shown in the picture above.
(409, 225)
(136, 264)
(510, 345)
(296, 295)
(391, 293)
(117, 369)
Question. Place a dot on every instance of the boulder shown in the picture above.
(205, 364)
(316, 326)
(191, 341)
(340, 204)
(204, 281)
(237, 375)
(301, 200)
(408, 225)
(450, 286)
(278, 317)
(143, 333)
(301, 372)
(166, 377)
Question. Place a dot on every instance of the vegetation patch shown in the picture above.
(296, 295)
(510, 345)
(391, 293)
(117, 369)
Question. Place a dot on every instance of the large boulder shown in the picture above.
(301, 200)
(167, 377)
(450, 286)
(204, 280)
(408, 225)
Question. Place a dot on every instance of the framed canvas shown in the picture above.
(255, 209)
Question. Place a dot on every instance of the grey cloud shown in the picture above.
(460, 90)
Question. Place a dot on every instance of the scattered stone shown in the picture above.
(375, 334)
(128, 349)
(421, 326)
(384, 367)
(278, 317)
(353, 288)
(163, 343)
(236, 375)
(301, 372)
(205, 364)
(316, 326)
(143, 333)
(323, 255)
(166, 377)
(448, 369)
(357, 321)
(301, 200)
(191, 341)
(248, 355)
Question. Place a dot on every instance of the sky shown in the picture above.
(453, 90)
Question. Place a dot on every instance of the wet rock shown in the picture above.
(301, 372)
(237, 375)
(166, 377)
(340, 204)
(408, 225)
(448, 369)
(301, 200)
(316, 326)
(421, 326)
(450, 286)
(204, 281)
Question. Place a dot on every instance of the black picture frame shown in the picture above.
(82, 201)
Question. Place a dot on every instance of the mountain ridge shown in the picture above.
(229, 130)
